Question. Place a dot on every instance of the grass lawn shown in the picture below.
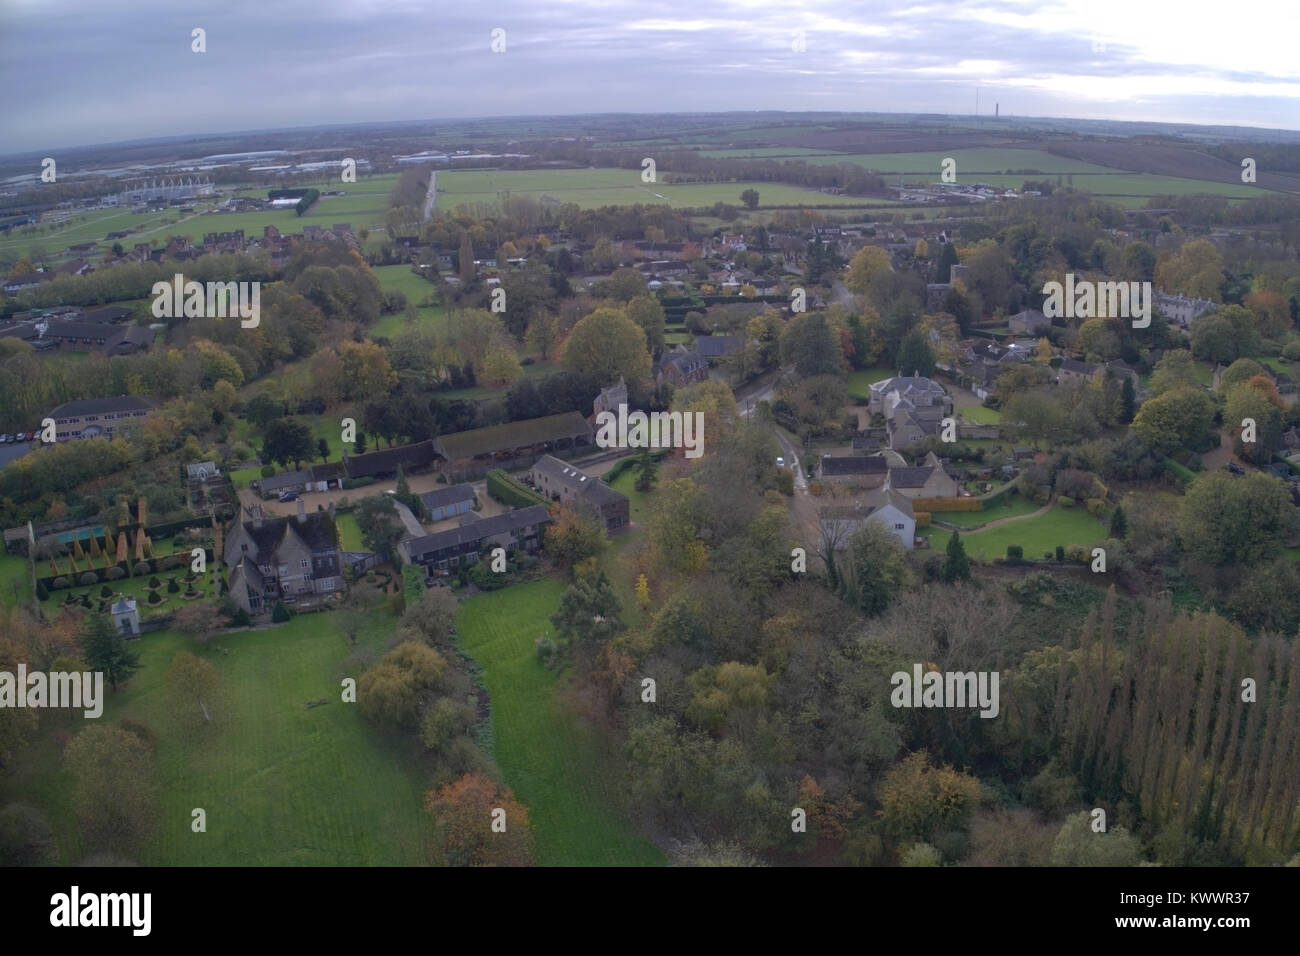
(1011, 507)
(1063, 526)
(349, 531)
(980, 415)
(860, 382)
(639, 500)
(282, 785)
(549, 761)
(15, 583)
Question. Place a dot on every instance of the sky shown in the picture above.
(78, 72)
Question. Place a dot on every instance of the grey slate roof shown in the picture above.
(442, 497)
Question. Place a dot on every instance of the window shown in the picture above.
(306, 563)
(899, 527)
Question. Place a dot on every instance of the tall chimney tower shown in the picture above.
(302, 512)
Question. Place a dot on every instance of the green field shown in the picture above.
(282, 785)
(860, 382)
(981, 160)
(768, 152)
(638, 500)
(349, 532)
(549, 761)
(980, 415)
(15, 583)
(1013, 506)
(1063, 526)
(590, 188)
(401, 279)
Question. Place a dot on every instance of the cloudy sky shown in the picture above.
(89, 71)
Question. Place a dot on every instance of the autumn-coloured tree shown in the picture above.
(573, 537)
(193, 686)
(116, 795)
(643, 590)
(479, 824)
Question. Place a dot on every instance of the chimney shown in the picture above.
(302, 512)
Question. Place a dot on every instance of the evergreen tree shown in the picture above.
(914, 355)
(1118, 523)
(947, 259)
(956, 565)
(1128, 401)
(647, 471)
(360, 446)
(106, 650)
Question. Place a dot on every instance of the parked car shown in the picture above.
(289, 496)
(780, 463)
(5, 439)
(20, 436)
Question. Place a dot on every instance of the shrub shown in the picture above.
(1065, 501)
(105, 591)
(1096, 507)
(280, 614)
(1060, 553)
(172, 586)
(140, 729)
(59, 583)
(1292, 351)
(268, 471)
(1047, 556)
(141, 568)
(1015, 552)
(545, 650)
(241, 618)
(41, 593)
(115, 573)
(89, 577)
(1075, 552)
(154, 582)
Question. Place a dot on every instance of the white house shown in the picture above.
(887, 508)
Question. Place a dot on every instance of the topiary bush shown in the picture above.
(280, 614)
(141, 569)
(155, 583)
(59, 583)
(105, 591)
(89, 577)
(1060, 553)
(115, 573)
(155, 597)
(172, 586)
(1015, 552)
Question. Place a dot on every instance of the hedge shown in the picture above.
(626, 464)
(512, 491)
(90, 577)
(947, 504)
(922, 518)
(349, 483)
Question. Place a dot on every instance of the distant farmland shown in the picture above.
(590, 188)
